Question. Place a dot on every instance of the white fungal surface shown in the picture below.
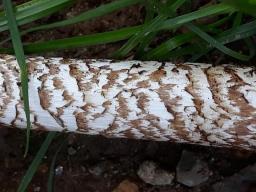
(189, 103)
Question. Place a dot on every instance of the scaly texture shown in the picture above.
(187, 103)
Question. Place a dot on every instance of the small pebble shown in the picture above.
(59, 170)
(150, 173)
(126, 186)
(71, 151)
(192, 171)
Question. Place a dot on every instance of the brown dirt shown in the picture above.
(94, 163)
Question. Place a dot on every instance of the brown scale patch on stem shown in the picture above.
(86, 107)
(131, 77)
(44, 99)
(53, 69)
(43, 78)
(147, 132)
(67, 96)
(241, 126)
(177, 123)
(60, 111)
(240, 129)
(214, 88)
(129, 134)
(112, 77)
(65, 61)
(31, 67)
(143, 84)
(157, 75)
(185, 67)
(154, 122)
(196, 98)
(233, 92)
(75, 72)
(137, 124)
(57, 83)
(122, 109)
(6, 85)
(81, 120)
(96, 73)
(142, 101)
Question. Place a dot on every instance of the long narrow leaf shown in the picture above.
(36, 162)
(229, 36)
(18, 49)
(121, 34)
(158, 21)
(204, 12)
(86, 40)
(36, 10)
(85, 16)
(213, 42)
(167, 46)
(50, 182)
(88, 15)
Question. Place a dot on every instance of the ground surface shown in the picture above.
(93, 163)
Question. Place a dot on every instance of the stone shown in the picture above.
(191, 170)
(59, 170)
(71, 151)
(126, 186)
(150, 173)
(243, 181)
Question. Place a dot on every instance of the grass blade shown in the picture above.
(86, 40)
(204, 12)
(234, 34)
(88, 15)
(121, 34)
(35, 10)
(147, 29)
(134, 40)
(213, 42)
(36, 162)
(167, 46)
(50, 182)
(18, 49)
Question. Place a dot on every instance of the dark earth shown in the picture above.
(95, 163)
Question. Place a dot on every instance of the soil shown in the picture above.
(94, 163)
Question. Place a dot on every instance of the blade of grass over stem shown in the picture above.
(35, 10)
(36, 162)
(18, 49)
(213, 42)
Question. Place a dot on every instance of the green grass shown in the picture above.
(36, 162)
(19, 53)
(189, 34)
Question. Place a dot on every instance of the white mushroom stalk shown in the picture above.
(186, 103)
